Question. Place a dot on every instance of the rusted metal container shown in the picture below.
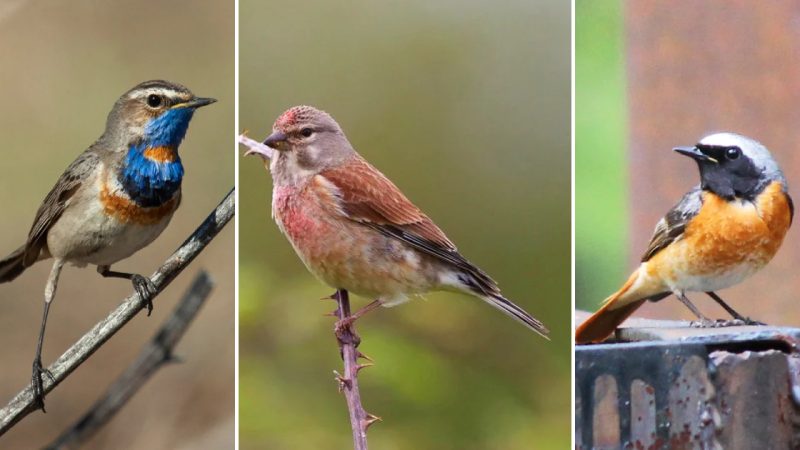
(675, 387)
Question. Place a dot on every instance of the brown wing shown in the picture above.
(672, 226)
(366, 196)
(55, 202)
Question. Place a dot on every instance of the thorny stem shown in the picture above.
(348, 340)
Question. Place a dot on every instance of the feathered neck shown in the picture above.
(152, 171)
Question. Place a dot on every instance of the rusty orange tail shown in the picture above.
(614, 311)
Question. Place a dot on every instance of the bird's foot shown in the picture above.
(738, 322)
(345, 333)
(37, 383)
(706, 323)
(146, 289)
(751, 322)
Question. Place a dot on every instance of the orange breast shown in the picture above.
(127, 211)
(726, 235)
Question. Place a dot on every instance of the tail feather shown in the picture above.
(616, 308)
(12, 265)
(517, 313)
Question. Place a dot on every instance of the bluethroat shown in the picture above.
(114, 199)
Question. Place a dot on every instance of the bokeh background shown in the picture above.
(64, 65)
(654, 75)
(601, 178)
(465, 106)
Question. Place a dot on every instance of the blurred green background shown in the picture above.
(64, 64)
(601, 210)
(465, 106)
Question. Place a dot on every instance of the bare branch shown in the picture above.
(152, 357)
(348, 340)
(23, 403)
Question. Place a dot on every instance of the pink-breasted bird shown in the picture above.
(354, 229)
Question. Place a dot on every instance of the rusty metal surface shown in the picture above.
(699, 67)
(689, 388)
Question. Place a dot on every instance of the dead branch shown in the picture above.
(153, 356)
(23, 403)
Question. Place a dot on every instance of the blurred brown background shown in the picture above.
(465, 106)
(63, 66)
(692, 68)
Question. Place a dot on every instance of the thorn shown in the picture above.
(371, 418)
(343, 382)
(329, 297)
(330, 314)
(363, 366)
(363, 356)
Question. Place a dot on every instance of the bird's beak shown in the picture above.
(195, 103)
(695, 153)
(275, 140)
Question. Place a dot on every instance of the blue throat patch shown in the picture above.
(148, 182)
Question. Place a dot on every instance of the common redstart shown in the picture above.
(719, 233)
(354, 229)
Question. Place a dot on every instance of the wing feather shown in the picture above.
(366, 196)
(671, 226)
(56, 201)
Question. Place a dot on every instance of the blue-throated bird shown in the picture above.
(114, 199)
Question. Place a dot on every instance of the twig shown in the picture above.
(152, 357)
(23, 403)
(254, 145)
(348, 340)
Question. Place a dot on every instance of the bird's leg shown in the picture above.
(142, 285)
(732, 312)
(347, 321)
(703, 320)
(37, 383)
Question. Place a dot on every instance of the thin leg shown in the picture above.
(692, 308)
(731, 311)
(142, 285)
(348, 321)
(37, 383)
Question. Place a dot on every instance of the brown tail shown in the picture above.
(602, 323)
(12, 265)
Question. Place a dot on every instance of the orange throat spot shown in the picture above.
(161, 154)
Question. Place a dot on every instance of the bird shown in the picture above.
(114, 199)
(354, 229)
(720, 233)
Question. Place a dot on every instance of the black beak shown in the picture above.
(695, 153)
(274, 140)
(195, 103)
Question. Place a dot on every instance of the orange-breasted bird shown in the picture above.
(354, 229)
(720, 233)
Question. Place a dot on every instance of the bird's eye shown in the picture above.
(306, 132)
(733, 153)
(154, 101)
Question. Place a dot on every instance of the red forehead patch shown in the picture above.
(287, 118)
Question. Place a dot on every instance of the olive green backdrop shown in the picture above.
(63, 65)
(465, 106)
(601, 180)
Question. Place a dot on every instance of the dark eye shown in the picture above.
(306, 132)
(154, 101)
(733, 153)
